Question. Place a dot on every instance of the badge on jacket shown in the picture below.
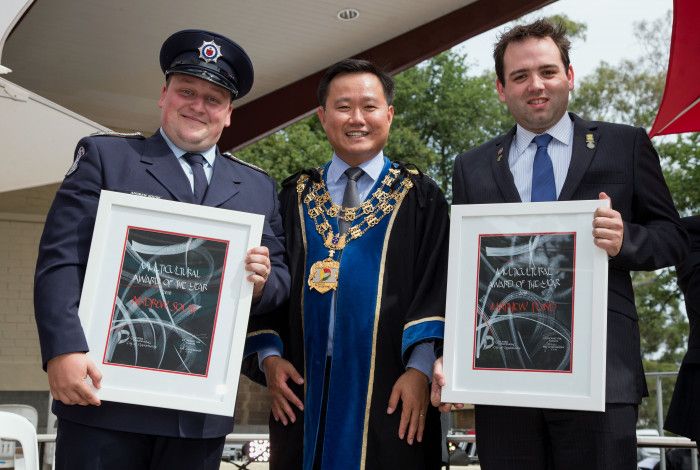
(78, 155)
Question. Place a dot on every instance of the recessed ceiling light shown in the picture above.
(347, 14)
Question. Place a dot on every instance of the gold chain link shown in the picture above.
(370, 212)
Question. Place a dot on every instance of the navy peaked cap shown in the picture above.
(208, 56)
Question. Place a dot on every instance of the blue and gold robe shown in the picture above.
(390, 297)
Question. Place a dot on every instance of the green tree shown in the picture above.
(576, 31)
(625, 93)
(301, 145)
(442, 111)
(681, 160)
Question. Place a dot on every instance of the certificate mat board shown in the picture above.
(526, 317)
(165, 301)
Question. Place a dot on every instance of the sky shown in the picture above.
(609, 36)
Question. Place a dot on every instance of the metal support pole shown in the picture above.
(693, 459)
(660, 418)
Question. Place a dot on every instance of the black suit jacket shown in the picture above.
(146, 167)
(689, 281)
(683, 413)
(623, 164)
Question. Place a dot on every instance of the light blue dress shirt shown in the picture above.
(336, 179)
(209, 157)
(423, 354)
(522, 155)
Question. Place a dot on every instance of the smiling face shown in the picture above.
(356, 117)
(194, 112)
(537, 85)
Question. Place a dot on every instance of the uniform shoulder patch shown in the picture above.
(80, 151)
(243, 162)
(131, 135)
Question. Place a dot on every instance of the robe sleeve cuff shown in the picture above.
(417, 331)
(260, 340)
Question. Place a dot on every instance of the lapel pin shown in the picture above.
(590, 143)
(499, 154)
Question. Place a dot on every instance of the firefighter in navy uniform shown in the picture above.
(204, 73)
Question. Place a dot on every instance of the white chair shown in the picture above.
(7, 448)
(49, 457)
(27, 411)
(19, 428)
(7, 454)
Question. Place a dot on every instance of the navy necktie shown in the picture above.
(196, 162)
(543, 186)
(351, 198)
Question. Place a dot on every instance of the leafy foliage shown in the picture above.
(301, 145)
(442, 111)
(681, 162)
(624, 93)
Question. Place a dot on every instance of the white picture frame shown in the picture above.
(147, 308)
(533, 332)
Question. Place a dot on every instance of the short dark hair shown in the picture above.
(539, 29)
(349, 66)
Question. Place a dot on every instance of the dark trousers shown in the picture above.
(81, 447)
(510, 438)
(318, 453)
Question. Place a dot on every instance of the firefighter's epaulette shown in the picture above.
(131, 135)
(230, 156)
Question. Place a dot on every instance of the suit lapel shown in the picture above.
(501, 170)
(585, 144)
(162, 164)
(224, 183)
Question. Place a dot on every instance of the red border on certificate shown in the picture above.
(116, 292)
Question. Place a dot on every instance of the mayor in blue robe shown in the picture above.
(384, 299)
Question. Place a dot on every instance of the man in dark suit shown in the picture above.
(555, 155)
(204, 73)
(683, 416)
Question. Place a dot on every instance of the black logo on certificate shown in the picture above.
(166, 302)
(524, 312)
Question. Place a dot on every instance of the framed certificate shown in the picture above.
(165, 301)
(526, 315)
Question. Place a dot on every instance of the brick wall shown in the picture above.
(252, 403)
(21, 223)
(28, 201)
(20, 361)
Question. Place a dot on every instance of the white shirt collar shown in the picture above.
(372, 167)
(209, 154)
(560, 131)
